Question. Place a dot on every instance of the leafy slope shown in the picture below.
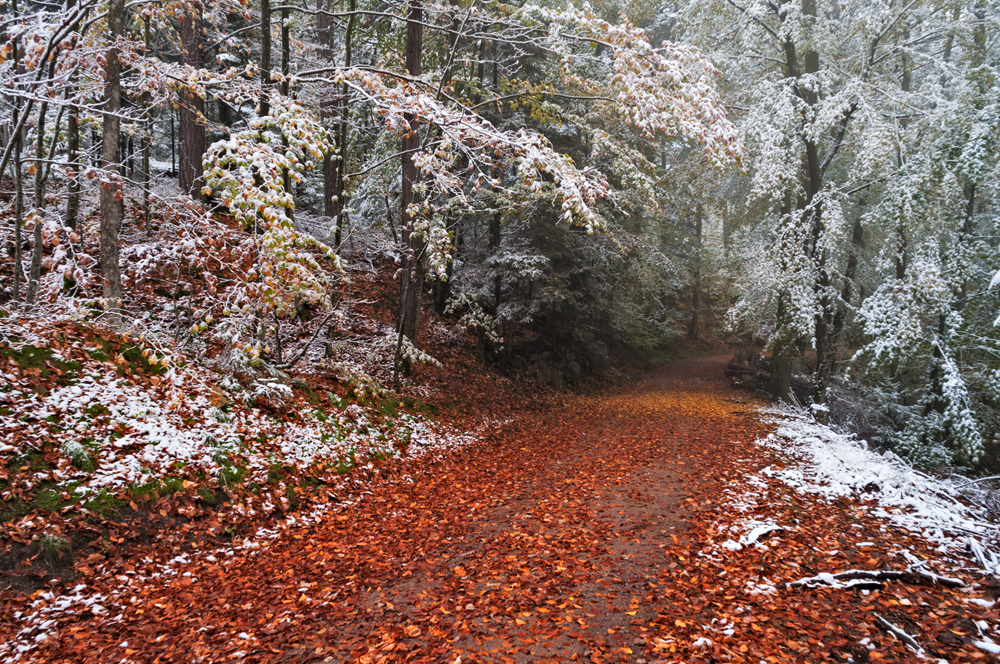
(593, 531)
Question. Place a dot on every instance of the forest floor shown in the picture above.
(589, 530)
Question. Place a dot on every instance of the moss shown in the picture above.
(206, 495)
(276, 473)
(42, 359)
(104, 505)
(134, 359)
(81, 456)
(49, 500)
(14, 509)
(157, 488)
(347, 463)
(421, 406)
(96, 410)
(389, 407)
(98, 355)
(307, 391)
(48, 497)
(33, 459)
(231, 474)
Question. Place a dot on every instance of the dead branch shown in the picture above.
(859, 579)
(900, 634)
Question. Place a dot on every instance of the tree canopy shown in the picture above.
(816, 180)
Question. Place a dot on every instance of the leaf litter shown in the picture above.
(593, 531)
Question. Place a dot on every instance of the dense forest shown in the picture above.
(467, 331)
(563, 184)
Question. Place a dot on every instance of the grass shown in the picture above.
(80, 456)
(55, 550)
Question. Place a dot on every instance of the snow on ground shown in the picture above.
(829, 465)
(38, 623)
(117, 432)
(833, 465)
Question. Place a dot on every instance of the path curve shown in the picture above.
(556, 540)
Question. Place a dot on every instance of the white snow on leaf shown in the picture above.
(995, 281)
(986, 604)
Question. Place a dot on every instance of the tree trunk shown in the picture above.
(814, 177)
(339, 202)
(852, 271)
(781, 375)
(442, 287)
(324, 25)
(286, 54)
(72, 149)
(694, 330)
(265, 57)
(495, 228)
(18, 212)
(111, 192)
(18, 185)
(173, 146)
(146, 139)
(191, 175)
(412, 279)
(781, 362)
(35, 274)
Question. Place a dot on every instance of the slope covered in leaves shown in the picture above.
(600, 530)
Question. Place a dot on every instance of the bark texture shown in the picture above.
(412, 279)
(192, 131)
(111, 187)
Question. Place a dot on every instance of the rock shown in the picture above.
(543, 374)
(556, 379)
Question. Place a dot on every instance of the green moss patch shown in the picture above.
(32, 358)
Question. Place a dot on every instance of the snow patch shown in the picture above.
(832, 465)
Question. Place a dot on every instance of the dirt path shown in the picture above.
(589, 532)
(551, 542)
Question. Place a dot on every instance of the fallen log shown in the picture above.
(742, 370)
(863, 579)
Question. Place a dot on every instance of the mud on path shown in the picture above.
(561, 538)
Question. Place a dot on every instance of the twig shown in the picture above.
(986, 559)
(302, 352)
(977, 481)
(900, 634)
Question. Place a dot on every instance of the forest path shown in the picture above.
(556, 540)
